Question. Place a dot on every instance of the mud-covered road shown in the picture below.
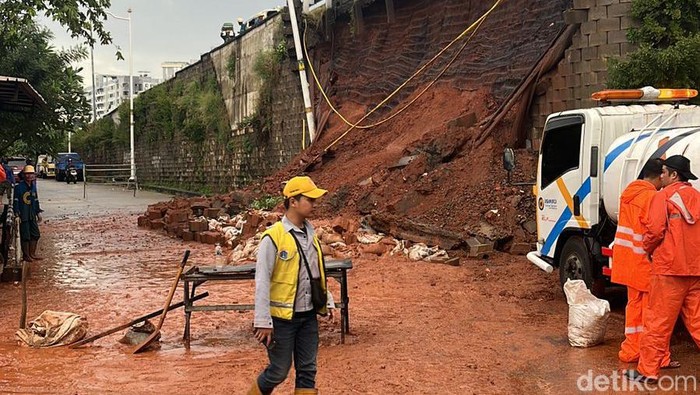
(488, 326)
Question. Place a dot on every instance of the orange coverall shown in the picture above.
(630, 265)
(673, 240)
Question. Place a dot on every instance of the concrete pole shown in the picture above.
(94, 88)
(310, 121)
(132, 178)
(131, 103)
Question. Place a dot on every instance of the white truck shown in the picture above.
(586, 160)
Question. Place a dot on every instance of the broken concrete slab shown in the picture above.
(403, 162)
(530, 227)
(520, 249)
(405, 229)
(479, 247)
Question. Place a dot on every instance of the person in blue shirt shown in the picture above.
(28, 212)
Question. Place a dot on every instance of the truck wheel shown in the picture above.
(575, 262)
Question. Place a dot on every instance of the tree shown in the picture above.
(668, 36)
(81, 18)
(51, 73)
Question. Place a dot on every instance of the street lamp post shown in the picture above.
(131, 95)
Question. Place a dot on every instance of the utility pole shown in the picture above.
(310, 121)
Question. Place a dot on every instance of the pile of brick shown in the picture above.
(210, 221)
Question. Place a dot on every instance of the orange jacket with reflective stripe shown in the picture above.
(672, 236)
(630, 265)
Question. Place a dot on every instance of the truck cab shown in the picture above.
(587, 158)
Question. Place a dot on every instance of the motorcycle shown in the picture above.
(72, 175)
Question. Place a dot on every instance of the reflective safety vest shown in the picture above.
(630, 265)
(285, 274)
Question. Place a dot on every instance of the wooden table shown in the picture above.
(337, 269)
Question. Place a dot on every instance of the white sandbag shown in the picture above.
(588, 315)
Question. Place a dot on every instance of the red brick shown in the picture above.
(157, 224)
(154, 213)
(181, 230)
(142, 221)
(212, 212)
(178, 216)
(198, 226)
(211, 237)
(377, 249)
(188, 236)
(198, 237)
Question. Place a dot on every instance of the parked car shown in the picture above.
(16, 163)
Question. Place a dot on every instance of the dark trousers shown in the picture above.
(29, 231)
(298, 340)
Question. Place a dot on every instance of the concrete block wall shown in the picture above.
(602, 35)
(219, 165)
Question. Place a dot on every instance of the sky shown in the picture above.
(162, 30)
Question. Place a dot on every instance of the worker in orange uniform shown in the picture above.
(630, 265)
(672, 240)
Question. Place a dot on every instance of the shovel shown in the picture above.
(146, 343)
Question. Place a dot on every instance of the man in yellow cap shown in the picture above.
(290, 290)
(27, 210)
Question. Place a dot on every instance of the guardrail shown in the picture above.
(108, 174)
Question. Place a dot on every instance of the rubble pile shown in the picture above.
(196, 220)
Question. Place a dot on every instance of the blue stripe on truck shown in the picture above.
(584, 191)
(565, 216)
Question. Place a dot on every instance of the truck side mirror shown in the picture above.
(508, 159)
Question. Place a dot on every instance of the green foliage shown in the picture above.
(83, 19)
(268, 67)
(664, 22)
(193, 109)
(50, 72)
(266, 203)
(231, 66)
(668, 37)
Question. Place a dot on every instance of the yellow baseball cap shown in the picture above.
(302, 186)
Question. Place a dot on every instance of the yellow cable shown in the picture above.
(474, 26)
(303, 133)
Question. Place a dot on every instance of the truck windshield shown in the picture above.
(561, 152)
